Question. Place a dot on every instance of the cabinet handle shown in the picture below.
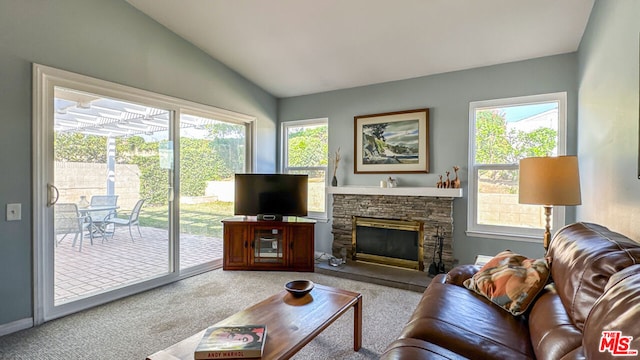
(291, 245)
(246, 243)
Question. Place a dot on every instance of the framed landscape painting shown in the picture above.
(395, 142)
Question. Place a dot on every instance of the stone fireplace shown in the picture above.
(428, 208)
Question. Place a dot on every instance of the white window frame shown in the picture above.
(510, 232)
(285, 169)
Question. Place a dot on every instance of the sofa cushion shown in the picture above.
(510, 281)
(455, 318)
(584, 256)
(553, 334)
(415, 349)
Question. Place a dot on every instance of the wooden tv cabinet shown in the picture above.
(251, 244)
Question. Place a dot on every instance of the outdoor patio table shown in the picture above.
(87, 210)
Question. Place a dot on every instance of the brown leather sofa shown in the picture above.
(595, 288)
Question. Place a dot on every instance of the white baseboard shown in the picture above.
(16, 326)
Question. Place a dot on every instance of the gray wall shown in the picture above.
(448, 96)
(608, 117)
(109, 40)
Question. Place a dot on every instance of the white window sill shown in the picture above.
(318, 218)
(509, 237)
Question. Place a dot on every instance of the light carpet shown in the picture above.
(140, 325)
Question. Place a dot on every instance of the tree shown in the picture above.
(492, 145)
(539, 142)
(228, 143)
(377, 130)
(146, 155)
(496, 145)
(199, 163)
(216, 157)
(303, 145)
(76, 147)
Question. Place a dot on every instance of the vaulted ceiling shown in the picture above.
(296, 47)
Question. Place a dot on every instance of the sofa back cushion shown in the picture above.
(583, 258)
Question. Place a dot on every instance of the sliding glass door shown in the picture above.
(112, 166)
(110, 163)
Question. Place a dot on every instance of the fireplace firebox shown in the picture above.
(388, 241)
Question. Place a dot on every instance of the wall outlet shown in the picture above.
(14, 212)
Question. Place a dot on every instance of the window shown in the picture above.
(305, 151)
(502, 132)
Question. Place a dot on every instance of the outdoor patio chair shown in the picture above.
(100, 218)
(133, 219)
(67, 220)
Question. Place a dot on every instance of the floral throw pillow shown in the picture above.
(510, 280)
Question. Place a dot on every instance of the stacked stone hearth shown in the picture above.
(433, 211)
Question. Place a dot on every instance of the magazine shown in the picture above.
(232, 342)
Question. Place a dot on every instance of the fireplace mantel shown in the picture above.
(396, 191)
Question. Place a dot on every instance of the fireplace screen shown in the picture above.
(390, 242)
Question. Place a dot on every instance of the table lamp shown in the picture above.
(549, 181)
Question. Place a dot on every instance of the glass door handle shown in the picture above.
(52, 195)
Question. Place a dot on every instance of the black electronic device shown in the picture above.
(271, 196)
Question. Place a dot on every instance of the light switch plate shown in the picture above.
(14, 212)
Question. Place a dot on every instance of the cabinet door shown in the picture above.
(267, 247)
(236, 244)
(301, 247)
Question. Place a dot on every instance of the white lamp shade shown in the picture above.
(550, 181)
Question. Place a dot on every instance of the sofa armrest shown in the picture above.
(460, 273)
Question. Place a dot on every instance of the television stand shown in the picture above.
(254, 244)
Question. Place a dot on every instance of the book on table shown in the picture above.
(232, 342)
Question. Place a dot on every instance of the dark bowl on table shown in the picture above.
(299, 288)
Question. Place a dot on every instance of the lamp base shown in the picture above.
(547, 228)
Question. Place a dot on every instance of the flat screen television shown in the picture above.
(270, 196)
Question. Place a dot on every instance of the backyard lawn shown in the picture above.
(196, 219)
(204, 219)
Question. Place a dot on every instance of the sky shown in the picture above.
(516, 113)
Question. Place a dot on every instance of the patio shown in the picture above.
(118, 261)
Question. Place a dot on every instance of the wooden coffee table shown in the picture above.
(291, 322)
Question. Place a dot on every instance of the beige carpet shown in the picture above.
(140, 325)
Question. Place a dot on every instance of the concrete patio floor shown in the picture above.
(119, 261)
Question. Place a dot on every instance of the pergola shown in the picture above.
(80, 112)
